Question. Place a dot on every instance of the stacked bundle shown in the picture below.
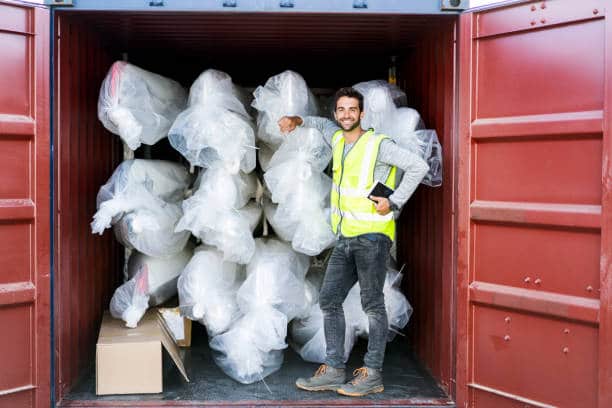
(216, 133)
(142, 200)
(385, 113)
(294, 173)
(138, 105)
(271, 296)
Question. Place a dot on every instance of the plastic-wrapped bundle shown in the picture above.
(214, 88)
(314, 234)
(379, 104)
(164, 179)
(212, 137)
(138, 105)
(275, 277)
(217, 214)
(140, 199)
(283, 226)
(151, 282)
(253, 347)
(283, 94)
(149, 228)
(229, 230)
(207, 290)
(215, 130)
(305, 145)
(264, 154)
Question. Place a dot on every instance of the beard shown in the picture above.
(353, 126)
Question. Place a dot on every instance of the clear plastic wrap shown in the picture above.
(314, 233)
(253, 348)
(275, 277)
(283, 94)
(131, 300)
(282, 226)
(164, 179)
(230, 231)
(207, 290)
(212, 137)
(264, 154)
(141, 200)
(296, 185)
(138, 105)
(305, 145)
(214, 88)
(150, 229)
(379, 104)
(163, 273)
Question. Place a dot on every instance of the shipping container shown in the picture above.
(508, 264)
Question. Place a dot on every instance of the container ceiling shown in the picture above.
(261, 34)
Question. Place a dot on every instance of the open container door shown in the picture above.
(535, 182)
(24, 206)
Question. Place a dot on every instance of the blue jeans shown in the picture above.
(363, 258)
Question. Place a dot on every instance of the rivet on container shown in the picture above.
(565, 350)
(527, 279)
(589, 288)
(507, 319)
(543, 20)
(537, 281)
(533, 7)
(595, 11)
(533, 22)
(566, 331)
(543, 6)
(506, 338)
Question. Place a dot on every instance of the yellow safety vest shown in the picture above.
(352, 212)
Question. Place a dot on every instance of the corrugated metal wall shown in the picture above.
(426, 227)
(86, 269)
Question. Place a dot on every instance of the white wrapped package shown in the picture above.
(211, 137)
(283, 94)
(151, 282)
(378, 104)
(216, 129)
(296, 185)
(214, 88)
(252, 348)
(162, 179)
(150, 228)
(138, 105)
(207, 290)
(283, 226)
(314, 233)
(163, 273)
(305, 145)
(264, 154)
(131, 300)
(223, 189)
(275, 277)
(229, 230)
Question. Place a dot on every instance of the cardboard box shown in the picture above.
(178, 326)
(129, 361)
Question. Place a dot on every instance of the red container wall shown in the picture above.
(87, 266)
(425, 237)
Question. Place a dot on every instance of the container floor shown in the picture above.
(407, 383)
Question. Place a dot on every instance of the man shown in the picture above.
(365, 227)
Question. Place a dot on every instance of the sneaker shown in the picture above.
(366, 381)
(326, 378)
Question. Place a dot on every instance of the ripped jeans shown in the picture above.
(363, 258)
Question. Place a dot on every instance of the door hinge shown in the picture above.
(454, 5)
(64, 3)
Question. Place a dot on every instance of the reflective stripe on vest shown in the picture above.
(352, 212)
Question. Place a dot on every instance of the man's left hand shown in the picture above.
(382, 205)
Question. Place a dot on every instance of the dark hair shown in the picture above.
(350, 93)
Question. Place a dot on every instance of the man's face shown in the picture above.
(347, 113)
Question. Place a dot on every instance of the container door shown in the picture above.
(24, 206)
(534, 196)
